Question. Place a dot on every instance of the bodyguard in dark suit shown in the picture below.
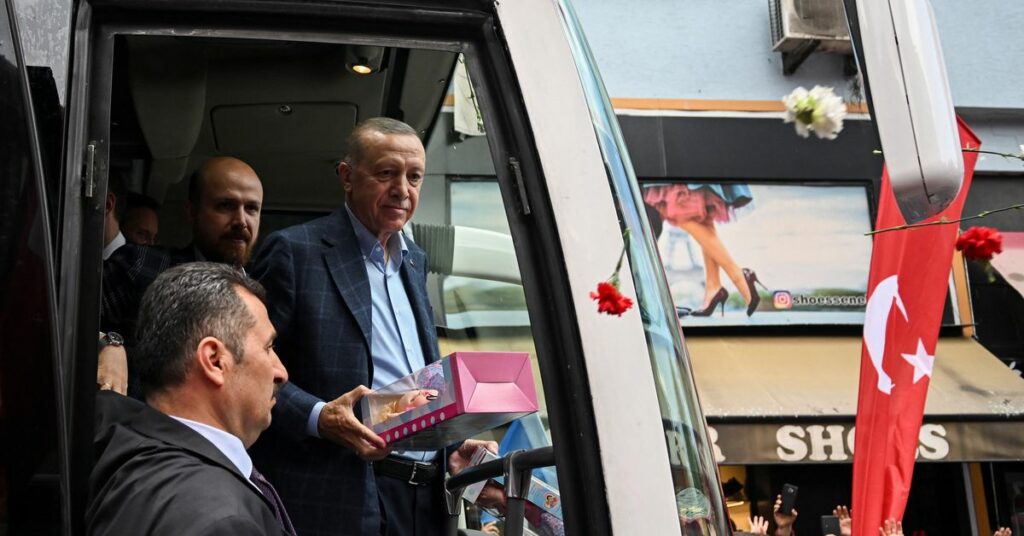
(178, 463)
(150, 459)
(347, 294)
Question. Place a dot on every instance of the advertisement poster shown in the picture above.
(763, 254)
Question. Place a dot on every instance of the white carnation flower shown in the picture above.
(819, 110)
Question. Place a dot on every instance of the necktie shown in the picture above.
(275, 500)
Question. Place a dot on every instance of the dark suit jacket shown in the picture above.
(126, 275)
(156, 476)
(319, 301)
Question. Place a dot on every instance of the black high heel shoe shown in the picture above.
(716, 300)
(755, 298)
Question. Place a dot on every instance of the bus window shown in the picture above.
(479, 302)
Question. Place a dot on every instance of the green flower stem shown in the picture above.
(614, 279)
(968, 218)
(1004, 155)
(945, 221)
(990, 272)
(979, 151)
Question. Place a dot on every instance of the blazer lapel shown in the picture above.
(348, 270)
(413, 274)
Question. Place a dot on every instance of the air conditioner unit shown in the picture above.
(807, 25)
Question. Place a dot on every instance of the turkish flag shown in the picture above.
(906, 292)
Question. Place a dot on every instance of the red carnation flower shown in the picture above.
(610, 300)
(980, 243)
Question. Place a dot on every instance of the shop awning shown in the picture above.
(794, 399)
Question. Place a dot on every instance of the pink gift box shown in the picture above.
(456, 398)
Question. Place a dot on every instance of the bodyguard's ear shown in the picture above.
(212, 359)
(111, 202)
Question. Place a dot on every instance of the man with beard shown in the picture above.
(224, 202)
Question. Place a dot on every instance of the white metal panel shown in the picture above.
(912, 104)
(634, 455)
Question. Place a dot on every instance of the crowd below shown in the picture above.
(784, 523)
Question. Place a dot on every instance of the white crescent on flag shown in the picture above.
(876, 322)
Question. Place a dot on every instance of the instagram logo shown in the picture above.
(782, 299)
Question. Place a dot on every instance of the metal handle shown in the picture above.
(90, 170)
(517, 468)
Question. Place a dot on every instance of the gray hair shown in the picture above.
(184, 305)
(384, 125)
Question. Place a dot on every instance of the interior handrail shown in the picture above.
(517, 469)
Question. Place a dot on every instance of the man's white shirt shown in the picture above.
(110, 248)
(226, 443)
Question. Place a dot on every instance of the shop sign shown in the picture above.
(759, 443)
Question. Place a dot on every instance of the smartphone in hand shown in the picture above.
(829, 525)
(788, 498)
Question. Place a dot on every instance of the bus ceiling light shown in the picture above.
(363, 59)
(911, 103)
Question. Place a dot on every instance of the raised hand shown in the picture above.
(845, 521)
(461, 457)
(112, 369)
(891, 528)
(758, 525)
(783, 522)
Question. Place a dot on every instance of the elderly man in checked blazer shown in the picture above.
(347, 293)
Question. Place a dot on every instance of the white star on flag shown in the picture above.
(921, 361)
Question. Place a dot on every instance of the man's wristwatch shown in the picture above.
(111, 338)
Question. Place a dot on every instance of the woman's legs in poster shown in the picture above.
(712, 278)
(714, 250)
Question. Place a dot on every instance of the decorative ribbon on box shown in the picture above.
(458, 397)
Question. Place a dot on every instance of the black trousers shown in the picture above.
(408, 510)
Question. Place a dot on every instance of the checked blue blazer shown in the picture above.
(318, 297)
